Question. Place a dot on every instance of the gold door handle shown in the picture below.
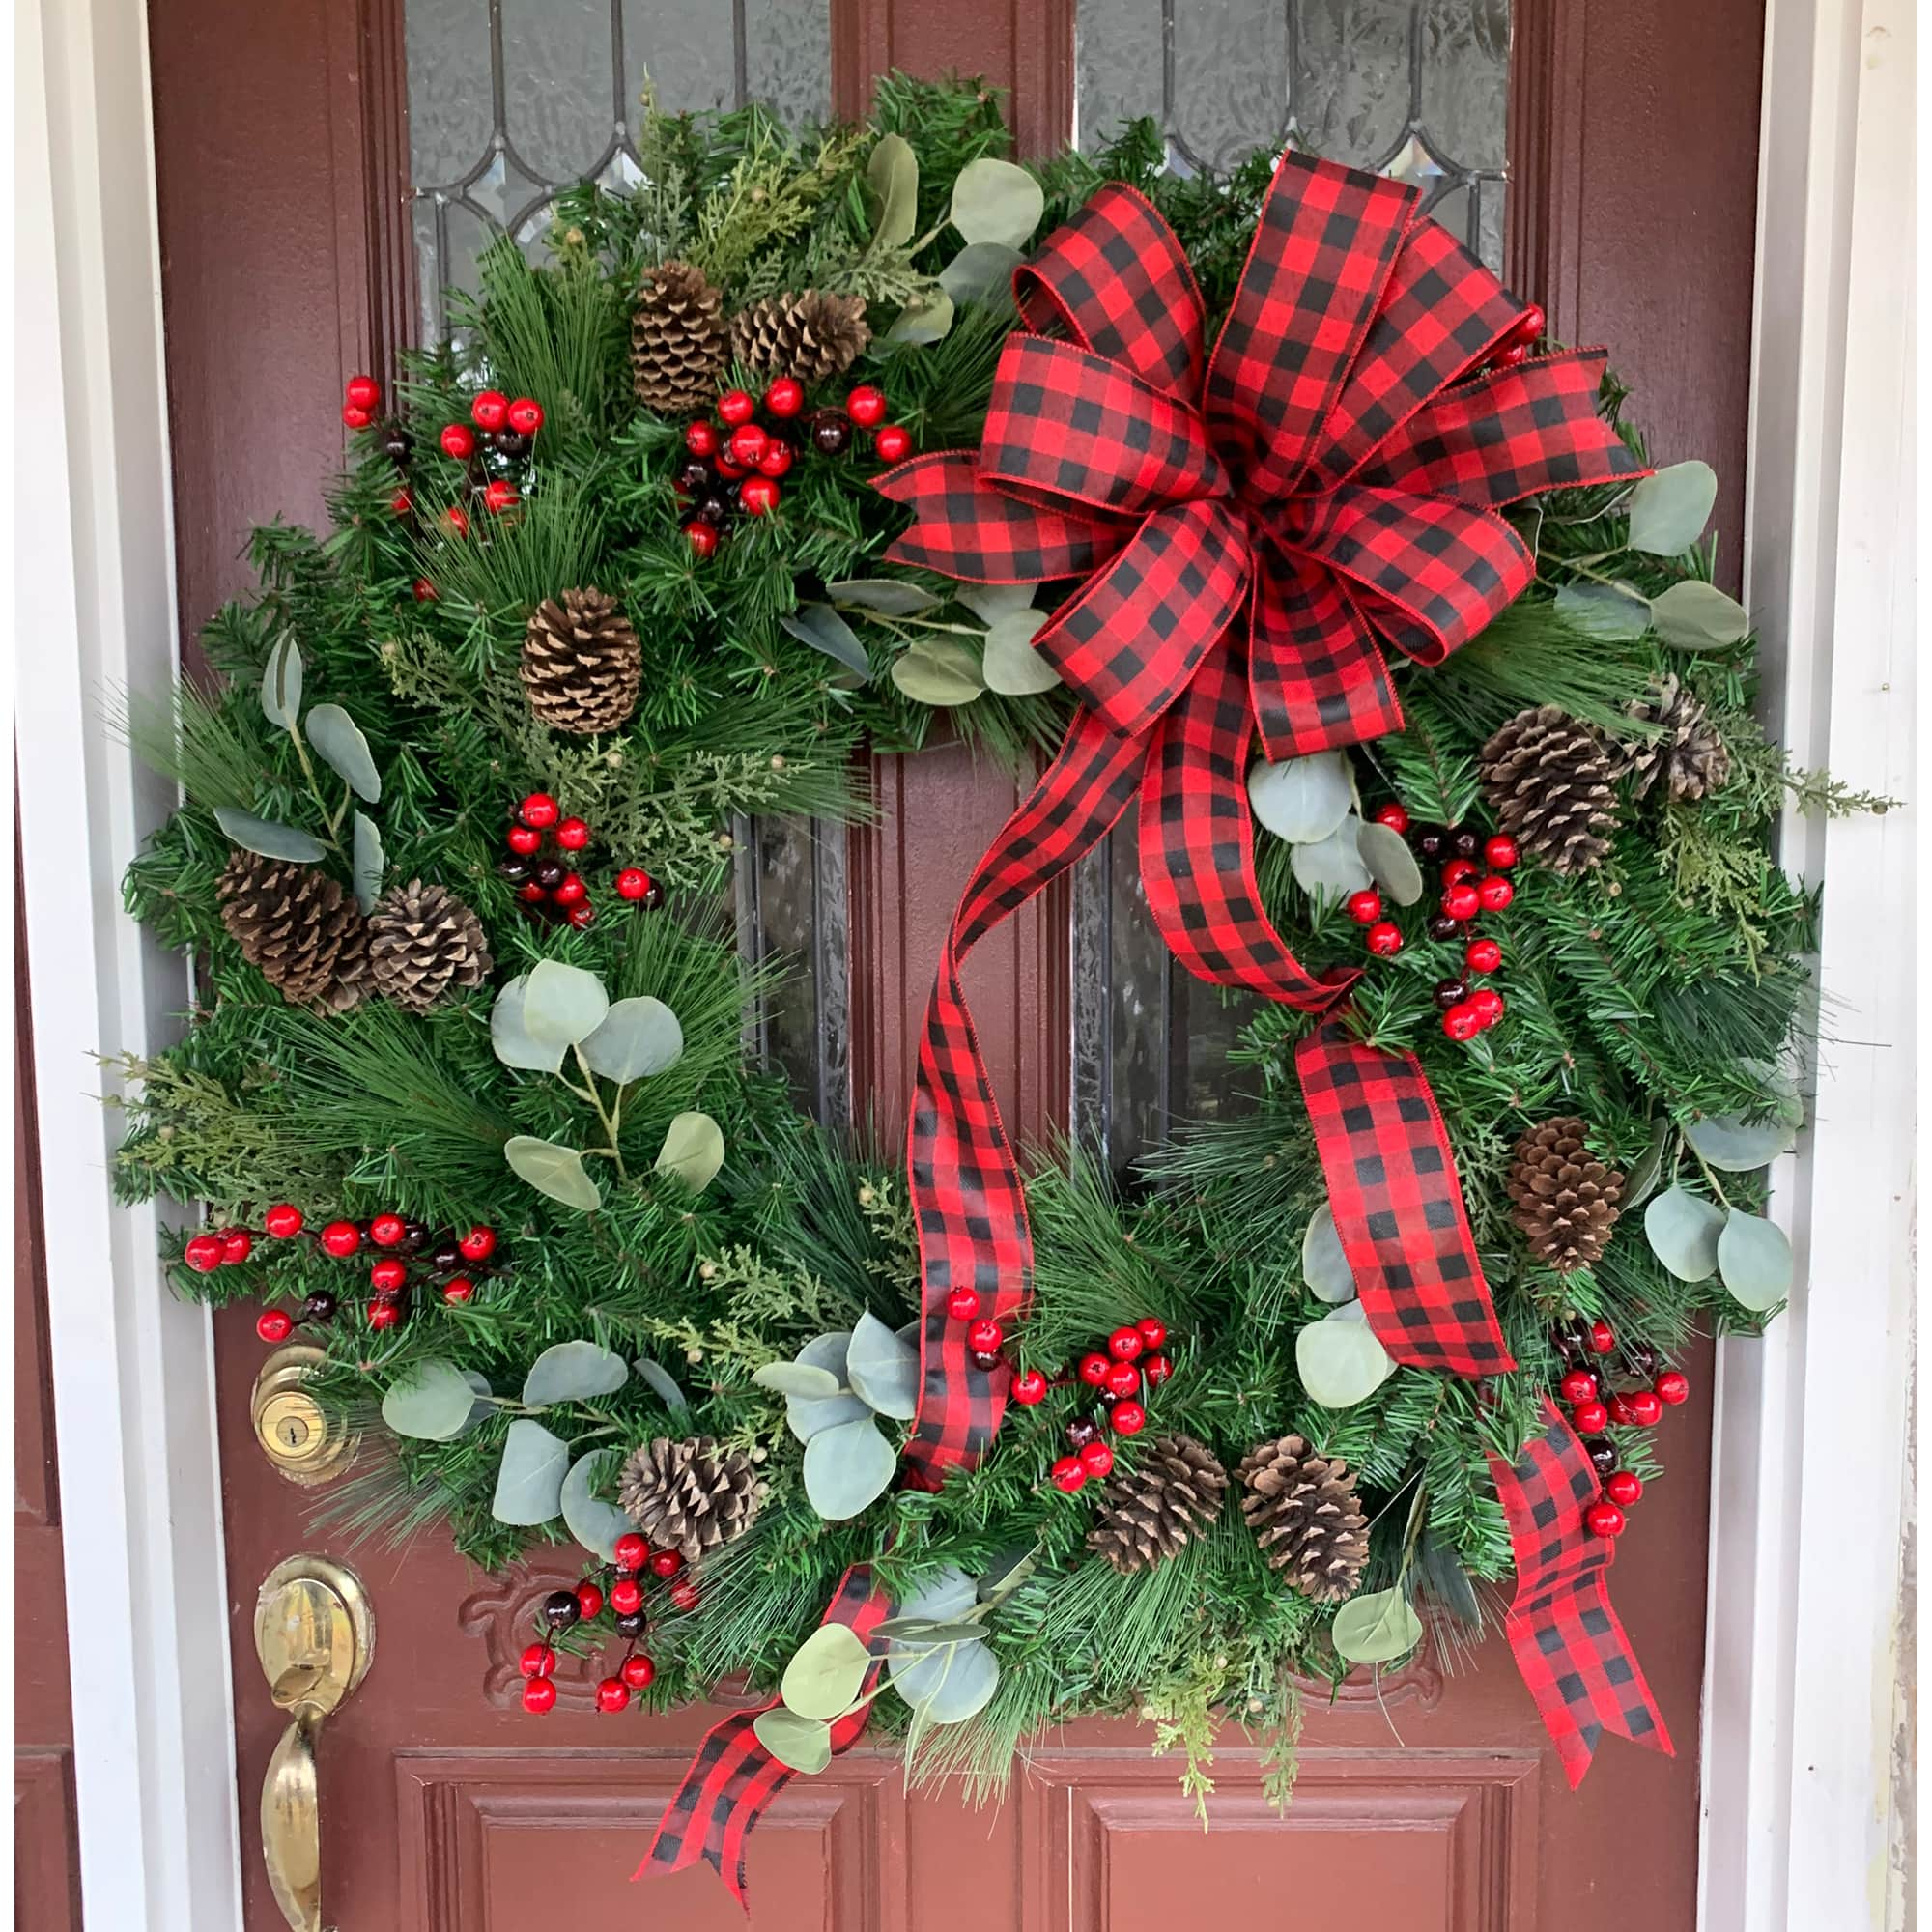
(315, 1634)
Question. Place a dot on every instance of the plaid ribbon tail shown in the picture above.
(1398, 1206)
(732, 1777)
(1569, 1642)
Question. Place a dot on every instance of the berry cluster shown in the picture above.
(1515, 347)
(637, 1564)
(736, 463)
(543, 847)
(1468, 890)
(1596, 1405)
(1122, 1375)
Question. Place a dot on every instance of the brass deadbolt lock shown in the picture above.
(300, 1440)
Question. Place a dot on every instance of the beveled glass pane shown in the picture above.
(1119, 62)
(1465, 75)
(1351, 85)
(788, 58)
(1230, 93)
(559, 85)
(452, 111)
(686, 51)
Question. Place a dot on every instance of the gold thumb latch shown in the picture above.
(315, 1633)
(296, 1435)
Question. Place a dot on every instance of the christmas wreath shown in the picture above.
(1189, 461)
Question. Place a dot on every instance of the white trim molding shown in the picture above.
(133, 1365)
(1809, 1488)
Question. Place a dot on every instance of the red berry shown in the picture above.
(1456, 871)
(529, 891)
(867, 405)
(523, 840)
(1602, 1338)
(402, 503)
(540, 809)
(203, 1254)
(1621, 1412)
(423, 590)
(702, 537)
(387, 1230)
(1530, 324)
(273, 1324)
(1392, 815)
(455, 522)
(1672, 1387)
(1365, 907)
(1156, 1370)
(538, 1660)
(627, 1595)
(526, 416)
(572, 835)
(1587, 1418)
(1125, 1344)
(748, 444)
(1621, 1486)
(1384, 939)
(1646, 1408)
(1495, 893)
(777, 461)
(1604, 1519)
(1069, 1474)
(785, 397)
(1483, 956)
(985, 1337)
(962, 1304)
(569, 889)
(759, 496)
(539, 1695)
(635, 883)
(355, 418)
(237, 1245)
(1510, 354)
(893, 441)
(388, 1276)
(500, 495)
(1122, 1378)
(283, 1221)
(638, 1671)
(1461, 902)
(633, 1553)
(1461, 1022)
(1128, 1418)
(1029, 1387)
(364, 392)
(736, 405)
(1487, 1003)
(702, 439)
(490, 411)
(479, 1243)
(589, 1600)
(384, 1314)
(726, 469)
(458, 442)
(1579, 1385)
(1154, 1331)
(1097, 1459)
(341, 1238)
(667, 1563)
(1093, 1369)
(1500, 853)
(458, 1288)
(684, 1594)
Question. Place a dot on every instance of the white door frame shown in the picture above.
(1799, 1719)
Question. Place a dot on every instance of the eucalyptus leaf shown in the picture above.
(890, 596)
(1738, 1146)
(800, 1744)
(966, 1631)
(638, 1038)
(1392, 865)
(826, 1673)
(1339, 1360)
(366, 862)
(927, 318)
(1376, 1628)
(945, 1596)
(883, 1370)
(1755, 1261)
(828, 1352)
(1647, 1169)
(339, 739)
(694, 1151)
(574, 1372)
(529, 1479)
(554, 1170)
(512, 1041)
(1683, 1230)
(430, 1401)
(1325, 1267)
(893, 175)
(1695, 617)
(938, 671)
(1670, 509)
(795, 1379)
(264, 837)
(563, 1004)
(1610, 610)
(995, 201)
(846, 1468)
(949, 1683)
(662, 1382)
(282, 683)
(1332, 865)
(990, 602)
(1302, 800)
(1005, 1573)
(821, 627)
(983, 272)
(806, 1415)
(1009, 663)
(595, 1523)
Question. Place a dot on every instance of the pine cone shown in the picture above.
(299, 927)
(810, 336)
(678, 340)
(1549, 781)
(1306, 1516)
(423, 942)
(1565, 1199)
(1153, 1512)
(581, 663)
(690, 1496)
(1687, 754)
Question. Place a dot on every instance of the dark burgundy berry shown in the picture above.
(552, 873)
(987, 1359)
(1080, 1431)
(396, 444)
(713, 508)
(511, 443)
(1442, 926)
(1642, 1358)
(630, 1624)
(1602, 1452)
(562, 1610)
(415, 1238)
(694, 476)
(1451, 993)
(1431, 842)
(831, 434)
(319, 1307)
(1465, 844)
(513, 871)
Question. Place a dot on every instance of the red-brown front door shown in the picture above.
(290, 254)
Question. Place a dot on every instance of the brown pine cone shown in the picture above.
(1154, 1510)
(1687, 753)
(1307, 1518)
(690, 1495)
(582, 664)
(423, 942)
(299, 927)
(810, 338)
(678, 340)
(1564, 1198)
(1551, 782)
